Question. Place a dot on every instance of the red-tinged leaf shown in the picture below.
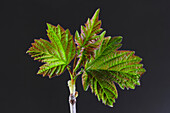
(112, 65)
(89, 39)
(56, 54)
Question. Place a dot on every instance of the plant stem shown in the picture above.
(75, 60)
(77, 65)
(72, 97)
(69, 70)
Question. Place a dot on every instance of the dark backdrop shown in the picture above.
(144, 24)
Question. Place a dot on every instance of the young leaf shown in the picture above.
(56, 54)
(89, 40)
(112, 65)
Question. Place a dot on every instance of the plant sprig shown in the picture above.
(102, 63)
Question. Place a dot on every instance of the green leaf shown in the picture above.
(56, 54)
(89, 39)
(85, 81)
(112, 66)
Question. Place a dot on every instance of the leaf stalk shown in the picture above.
(77, 65)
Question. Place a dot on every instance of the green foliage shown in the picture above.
(111, 65)
(104, 65)
(89, 40)
(56, 54)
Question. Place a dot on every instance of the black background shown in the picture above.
(144, 24)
